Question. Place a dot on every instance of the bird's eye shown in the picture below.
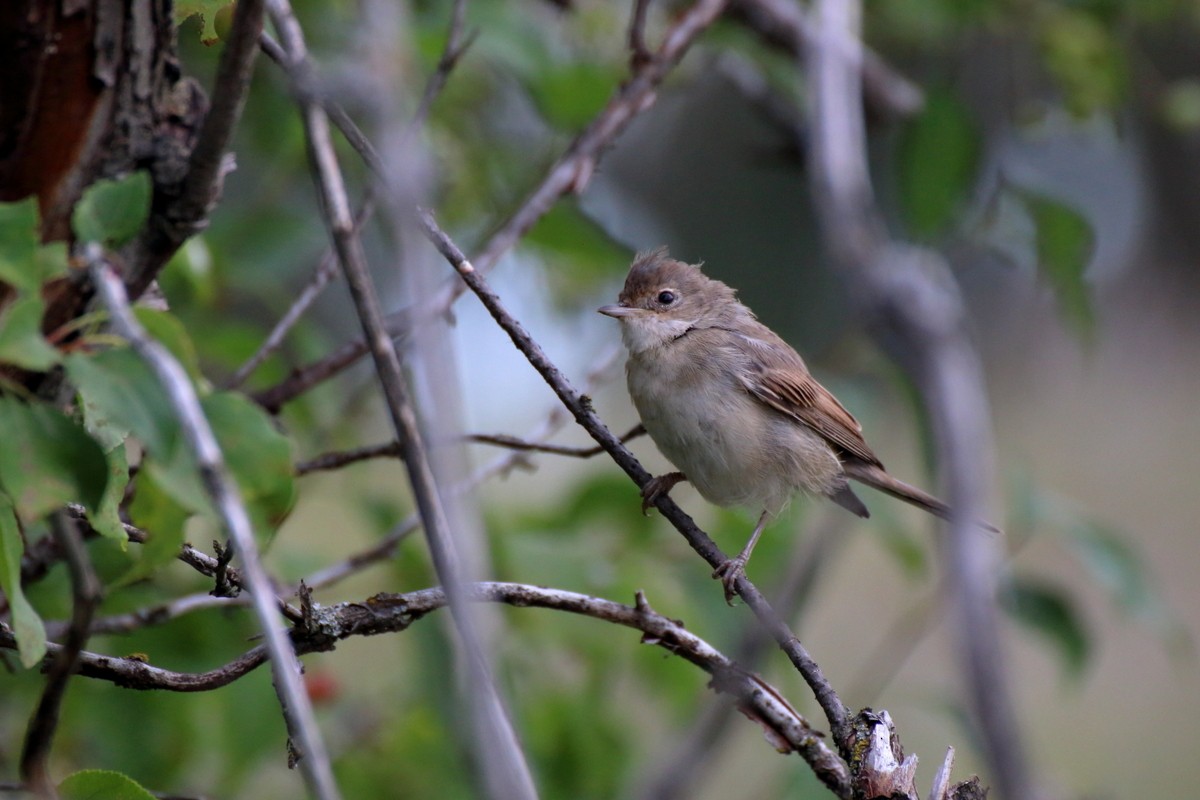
(666, 297)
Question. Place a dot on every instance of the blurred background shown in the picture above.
(1054, 161)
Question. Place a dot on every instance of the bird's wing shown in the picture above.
(790, 389)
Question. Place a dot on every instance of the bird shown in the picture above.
(734, 407)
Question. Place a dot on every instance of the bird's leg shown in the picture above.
(657, 486)
(734, 568)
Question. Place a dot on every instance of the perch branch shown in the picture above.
(786, 729)
(830, 703)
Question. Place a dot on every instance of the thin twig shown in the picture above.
(833, 707)
(227, 501)
(639, 53)
(570, 173)
(340, 458)
(302, 379)
(911, 301)
(86, 594)
(504, 763)
(325, 272)
(786, 729)
(457, 43)
(514, 443)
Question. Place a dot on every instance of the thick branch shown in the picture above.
(786, 729)
(186, 212)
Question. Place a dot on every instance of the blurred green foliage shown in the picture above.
(589, 701)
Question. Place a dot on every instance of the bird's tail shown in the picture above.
(878, 478)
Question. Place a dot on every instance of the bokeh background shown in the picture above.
(1055, 163)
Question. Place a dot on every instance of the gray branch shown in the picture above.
(911, 302)
(297, 710)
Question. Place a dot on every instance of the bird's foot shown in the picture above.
(658, 486)
(728, 573)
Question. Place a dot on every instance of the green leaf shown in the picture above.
(24, 262)
(938, 161)
(48, 460)
(258, 456)
(107, 518)
(121, 396)
(1086, 58)
(162, 517)
(1116, 566)
(101, 784)
(207, 11)
(1048, 610)
(569, 95)
(111, 212)
(1065, 243)
(27, 625)
(21, 340)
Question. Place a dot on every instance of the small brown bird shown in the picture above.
(734, 407)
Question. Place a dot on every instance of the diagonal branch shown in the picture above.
(570, 173)
(581, 409)
(198, 434)
(506, 771)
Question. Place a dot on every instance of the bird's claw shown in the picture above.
(728, 572)
(658, 486)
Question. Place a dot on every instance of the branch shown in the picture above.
(223, 492)
(325, 272)
(186, 212)
(785, 729)
(581, 409)
(911, 301)
(86, 595)
(570, 173)
(513, 443)
(506, 771)
(678, 774)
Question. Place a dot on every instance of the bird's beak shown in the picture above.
(617, 312)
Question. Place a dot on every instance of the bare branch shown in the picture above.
(786, 729)
(86, 595)
(301, 380)
(226, 500)
(581, 409)
(457, 42)
(513, 443)
(325, 272)
(504, 763)
(912, 304)
(639, 54)
(570, 173)
(341, 458)
(678, 774)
